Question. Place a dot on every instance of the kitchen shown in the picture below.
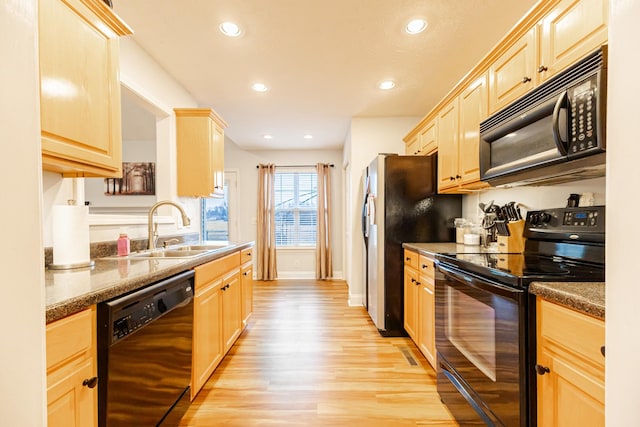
(23, 385)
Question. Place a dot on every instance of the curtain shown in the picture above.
(324, 268)
(266, 241)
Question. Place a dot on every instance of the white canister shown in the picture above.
(472, 239)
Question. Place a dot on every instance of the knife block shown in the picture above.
(514, 242)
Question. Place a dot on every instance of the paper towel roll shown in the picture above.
(70, 235)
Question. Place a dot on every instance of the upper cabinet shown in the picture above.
(573, 29)
(552, 36)
(200, 152)
(80, 87)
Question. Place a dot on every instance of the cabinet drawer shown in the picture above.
(411, 259)
(246, 255)
(207, 272)
(70, 337)
(426, 268)
(579, 333)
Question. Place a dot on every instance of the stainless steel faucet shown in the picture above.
(153, 228)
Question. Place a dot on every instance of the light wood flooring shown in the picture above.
(308, 359)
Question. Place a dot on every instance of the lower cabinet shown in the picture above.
(72, 395)
(570, 367)
(231, 309)
(222, 304)
(419, 303)
(426, 311)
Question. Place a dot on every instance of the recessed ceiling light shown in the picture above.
(387, 84)
(259, 87)
(230, 29)
(416, 26)
(307, 136)
(268, 137)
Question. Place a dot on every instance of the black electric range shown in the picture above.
(485, 317)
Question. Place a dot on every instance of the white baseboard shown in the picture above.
(305, 275)
(355, 300)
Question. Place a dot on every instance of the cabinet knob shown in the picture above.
(413, 280)
(245, 273)
(458, 177)
(408, 258)
(417, 283)
(425, 266)
(542, 68)
(451, 178)
(602, 350)
(90, 382)
(526, 79)
(541, 370)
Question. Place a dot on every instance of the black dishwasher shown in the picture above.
(144, 354)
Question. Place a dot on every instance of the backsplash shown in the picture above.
(109, 248)
(534, 197)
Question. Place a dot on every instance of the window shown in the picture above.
(215, 214)
(296, 198)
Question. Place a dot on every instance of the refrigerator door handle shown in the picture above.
(372, 209)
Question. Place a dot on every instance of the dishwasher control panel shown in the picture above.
(132, 312)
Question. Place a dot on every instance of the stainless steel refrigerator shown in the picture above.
(400, 205)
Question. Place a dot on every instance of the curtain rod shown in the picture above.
(297, 166)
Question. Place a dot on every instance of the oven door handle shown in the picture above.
(486, 285)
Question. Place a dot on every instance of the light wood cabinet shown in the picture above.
(208, 347)
(570, 367)
(569, 31)
(419, 303)
(411, 302)
(80, 87)
(200, 152)
(459, 138)
(573, 29)
(209, 339)
(426, 310)
(246, 280)
(231, 309)
(72, 394)
(428, 138)
(512, 74)
(448, 140)
(412, 147)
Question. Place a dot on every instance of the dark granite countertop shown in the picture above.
(585, 297)
(70, 291)
(431, 249)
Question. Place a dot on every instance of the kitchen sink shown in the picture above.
(199, 248)
(169, 253)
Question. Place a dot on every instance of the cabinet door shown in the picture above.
(412, 147)
(231, 309)
(69, 402)
(426, 320)
(218, 160)
(448, 146)
(207, 334)
(512, 73)
(410, 302)
(572, 29)
(428, 139)
(194, 138)
(80, 88)
(568, 395)
(473, 109)
(247, 293)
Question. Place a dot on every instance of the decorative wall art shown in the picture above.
(138, 179)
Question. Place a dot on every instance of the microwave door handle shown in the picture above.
(557, 138)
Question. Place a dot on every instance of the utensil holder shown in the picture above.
(514, 243)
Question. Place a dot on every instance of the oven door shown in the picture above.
(481, 345)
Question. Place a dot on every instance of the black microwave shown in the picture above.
(555, 133)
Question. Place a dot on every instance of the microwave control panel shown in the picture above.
(583, 123)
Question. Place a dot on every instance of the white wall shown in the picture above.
(22, 355)
(367, 137)
(623, 178)
(291, 263)
(533, 198)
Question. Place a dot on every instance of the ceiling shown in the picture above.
(321, 59)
